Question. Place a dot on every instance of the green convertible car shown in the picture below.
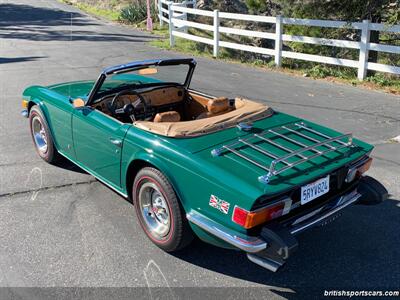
(233, 172)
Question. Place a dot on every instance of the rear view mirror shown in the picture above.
(78, 102)
(148, 71)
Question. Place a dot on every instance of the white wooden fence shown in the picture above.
(178, 24)
(163, 10)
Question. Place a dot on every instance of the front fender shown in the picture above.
(35, 101)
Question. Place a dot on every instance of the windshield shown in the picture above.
(146, 76)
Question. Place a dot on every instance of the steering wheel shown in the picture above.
(127, 109)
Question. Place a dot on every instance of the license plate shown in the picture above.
(315, 189)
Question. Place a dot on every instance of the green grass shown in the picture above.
(109, 14)
(188, 46)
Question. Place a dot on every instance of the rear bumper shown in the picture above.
(341, 203)
(244, 242)
(277, 241)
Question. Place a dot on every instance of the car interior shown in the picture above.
(176, 111)
(163, 104)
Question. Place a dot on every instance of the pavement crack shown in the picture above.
(386, 160)
(10, 194)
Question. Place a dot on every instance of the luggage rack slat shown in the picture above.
(265, 152)
(305, 159)
(246, 158)
(307, 137)
(277, 144)
(310, 147)
(302, 125)
(273, 168)
(292, 140)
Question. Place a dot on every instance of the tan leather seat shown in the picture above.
(215, 107)
(168, 116)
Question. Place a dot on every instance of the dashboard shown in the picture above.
(155, 97)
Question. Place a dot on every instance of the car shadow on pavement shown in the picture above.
(8, 60)
(359, 250)
(68, 165)
(44, 24)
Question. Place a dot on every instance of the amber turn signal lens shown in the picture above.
(365, 167)
(249, 219)
(24, 104)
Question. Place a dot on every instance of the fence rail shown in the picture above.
(175, 14)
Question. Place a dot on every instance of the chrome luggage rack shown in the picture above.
(298, 156)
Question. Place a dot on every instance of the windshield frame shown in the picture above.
(94, 93)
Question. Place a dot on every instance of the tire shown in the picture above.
(41, 136)
(159, 211)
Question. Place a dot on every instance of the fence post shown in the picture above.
(185, 28)
(216, 33)
(278, 41)
(160, 14)
(363, 59)
(171, 25)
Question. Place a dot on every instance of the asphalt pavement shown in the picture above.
(59, 227)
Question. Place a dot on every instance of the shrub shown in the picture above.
(380, 79)
(136, 12)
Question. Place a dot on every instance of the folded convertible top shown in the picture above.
(245, 111)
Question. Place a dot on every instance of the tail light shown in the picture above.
(249, 219)
(358, 169)
(365, 167)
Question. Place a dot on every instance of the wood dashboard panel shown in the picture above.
(155, 97)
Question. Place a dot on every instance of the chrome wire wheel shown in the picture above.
(155, 210)
(39, 135)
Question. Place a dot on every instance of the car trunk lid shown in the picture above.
(310, 151)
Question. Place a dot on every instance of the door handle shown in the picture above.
(116, 142)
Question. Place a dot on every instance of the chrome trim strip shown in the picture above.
(288, 205)
(345, 201)
(241, 241)
(201, 93)
(101, 180)
(353, 168)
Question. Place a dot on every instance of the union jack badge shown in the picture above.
(219, 204)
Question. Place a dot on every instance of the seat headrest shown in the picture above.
(168, 116)
(217, 105)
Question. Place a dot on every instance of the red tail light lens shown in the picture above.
(249, 219)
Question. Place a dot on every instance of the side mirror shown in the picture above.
(78, 102)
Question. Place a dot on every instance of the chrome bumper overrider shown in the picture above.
(256, 247)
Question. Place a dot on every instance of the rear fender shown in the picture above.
(158, 164)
